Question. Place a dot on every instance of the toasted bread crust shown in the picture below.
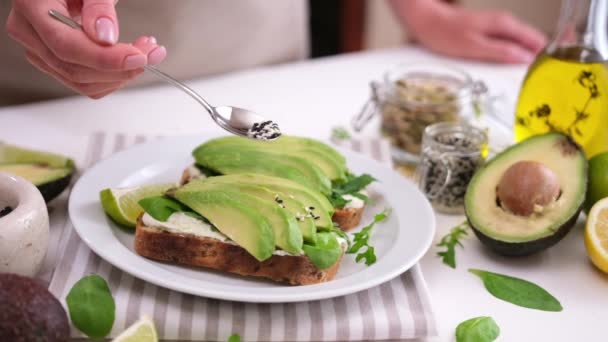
(197, 251)
(348, 218)
(345, 218)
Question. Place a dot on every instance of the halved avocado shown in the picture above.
(50, 172)
(508, 233)
(50, 181)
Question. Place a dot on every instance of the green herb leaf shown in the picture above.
(161, 207)
(91, 306)
(340, 133)
(478, 329)
(518, 291)
(336, 230)
(450, 241)
(234, 338)
(337, 201)
(361, 239)
(326, 251)
(354, 184)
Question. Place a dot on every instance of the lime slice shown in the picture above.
(141, 331)
(121, 203)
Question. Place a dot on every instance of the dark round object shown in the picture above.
(29, 312)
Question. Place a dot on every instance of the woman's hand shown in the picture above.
(92, 63)
(494, 36)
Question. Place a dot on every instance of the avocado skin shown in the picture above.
(51, 190)
(30, 312)
(525, 248)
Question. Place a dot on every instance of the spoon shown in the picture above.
(238, 121)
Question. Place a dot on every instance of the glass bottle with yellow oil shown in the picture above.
(566, 88)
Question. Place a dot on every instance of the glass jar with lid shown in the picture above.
(411, 97)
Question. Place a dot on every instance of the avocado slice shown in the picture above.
(243, 224)
(288, 188)
(50, 181)
(331, 163)
(511, 234)
(232, 161)
(296, 209)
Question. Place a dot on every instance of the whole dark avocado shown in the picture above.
(528, 197)
(29, 312)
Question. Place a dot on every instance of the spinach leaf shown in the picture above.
(361, 239)
(161, 207)
(450, 241)
(91, 306)
(478, 329)
(518, 291)
(325, 252)
(234, 338)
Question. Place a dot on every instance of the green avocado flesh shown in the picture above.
(10, 154)
(234, 217)
(310, 198)
(280, 201)
(306, 161)
(36, 174)
(510, 234)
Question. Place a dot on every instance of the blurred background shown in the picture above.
(339, 26)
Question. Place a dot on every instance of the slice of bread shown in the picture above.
(346, 219)
(157, 244)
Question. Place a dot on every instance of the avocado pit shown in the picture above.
(527, 187)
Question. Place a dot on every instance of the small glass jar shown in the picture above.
(450, 155)
(411, 97)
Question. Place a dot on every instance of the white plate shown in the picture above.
(399, 242)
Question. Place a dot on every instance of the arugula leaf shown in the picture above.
(234, 338)
(518, 291)
(450, 241)
(336, 200)
(340, 133)
(161, 207)
(351, 186)
(478, 329)
(91, 306)
(325, 252)
(361, 239)
(354, 184)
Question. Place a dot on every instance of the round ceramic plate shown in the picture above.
(399, 241)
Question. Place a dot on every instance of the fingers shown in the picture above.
(99, 21)
(28, 37)
(92, 90)
(501, 50)
(506, 26)
(147, 45)
(71, 45)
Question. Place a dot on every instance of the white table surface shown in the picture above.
(310, 97)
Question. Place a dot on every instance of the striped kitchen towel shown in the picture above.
(398, 309)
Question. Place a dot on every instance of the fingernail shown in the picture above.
(135, 62)
(105, 30)
(524, 57)
(157, 55)
(152, 40)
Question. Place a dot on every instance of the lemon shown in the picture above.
(596, 235)
(598, 180)
(121, 204)
(141, 331)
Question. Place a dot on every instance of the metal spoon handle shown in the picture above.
(73, 24)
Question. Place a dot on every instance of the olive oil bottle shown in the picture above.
(566, 88)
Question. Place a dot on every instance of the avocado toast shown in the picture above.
(306, 161)
(273, 221)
